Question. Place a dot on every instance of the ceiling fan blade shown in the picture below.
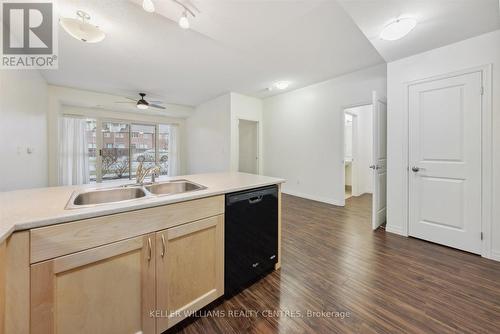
(155, 101)
(156, 106)
(134, 102)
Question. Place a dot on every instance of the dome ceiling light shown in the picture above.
(398, 29)
(80, 29)
(279, 85)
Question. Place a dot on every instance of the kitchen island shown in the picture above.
(137, 266)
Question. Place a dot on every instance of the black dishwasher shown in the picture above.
(251, 236)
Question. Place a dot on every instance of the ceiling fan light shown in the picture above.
(81, 30)
(142, 106)
(398, 29)
(184, 22)
(148, 6)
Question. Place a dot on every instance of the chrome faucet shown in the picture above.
(141, 173)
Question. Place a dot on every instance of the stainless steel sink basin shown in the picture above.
(129, 192)
(104, 196)
(173, 187)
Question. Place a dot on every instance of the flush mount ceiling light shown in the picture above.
(281, 85)
(398, 29)
(148, 6)
(81, 29)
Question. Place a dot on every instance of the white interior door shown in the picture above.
(379, 160)
(248, 147)
(445, 161)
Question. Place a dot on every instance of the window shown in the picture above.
(115, 162)
(163, 134)
(143, 145)
(113, 149)
(90, 137)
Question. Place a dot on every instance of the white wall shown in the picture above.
(303, 133)
(246, 108)
(208, 136)
(23, 125)
(478, 51)
(213, 133)
(82, 102)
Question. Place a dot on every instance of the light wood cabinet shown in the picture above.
(135, 272)
(189, 269)
(108, 289)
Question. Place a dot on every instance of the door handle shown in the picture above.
(163, 246)
(373, 167)
(416, 169)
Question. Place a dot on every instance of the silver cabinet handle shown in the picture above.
(255, 265)
(150, 249)
(163, 246)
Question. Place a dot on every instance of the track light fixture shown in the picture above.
(183, 20)
(149, 6)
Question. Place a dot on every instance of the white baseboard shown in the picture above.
(314, 198)
(395, 229)
(494, 255)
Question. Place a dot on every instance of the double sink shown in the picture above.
(89, 198)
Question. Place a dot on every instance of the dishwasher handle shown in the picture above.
(255, 200)
(253, 196)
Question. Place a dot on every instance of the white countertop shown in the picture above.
(26, 209)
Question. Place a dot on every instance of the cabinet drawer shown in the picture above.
(53, 241)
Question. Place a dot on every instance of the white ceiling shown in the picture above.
(241, 46)
(440, 22)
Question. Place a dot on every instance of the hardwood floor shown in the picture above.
(332, 261)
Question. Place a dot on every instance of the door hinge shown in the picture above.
(100, 152)
(481, 235)
(482, 91)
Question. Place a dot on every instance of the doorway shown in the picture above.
(248, 147)
(365, 162)
(358, 147)
(350, 136)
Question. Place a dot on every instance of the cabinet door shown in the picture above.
(190, 269)
(108, 289)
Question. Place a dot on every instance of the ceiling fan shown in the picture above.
(143, 104)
